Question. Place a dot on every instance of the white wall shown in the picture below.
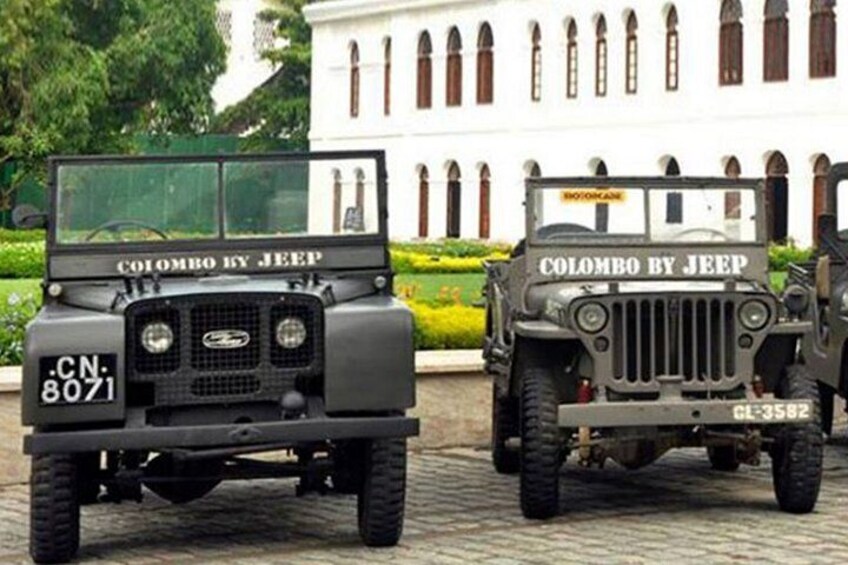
(700, 125)
(245, 70)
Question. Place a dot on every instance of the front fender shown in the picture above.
(65, 330)
(370, 360)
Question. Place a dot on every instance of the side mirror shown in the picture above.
(28, 217)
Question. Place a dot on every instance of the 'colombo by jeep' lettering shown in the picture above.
(694, 265)
(211, 263)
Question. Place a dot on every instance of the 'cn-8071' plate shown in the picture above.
(77, 379)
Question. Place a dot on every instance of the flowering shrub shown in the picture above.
(14, 317)
(22, 260)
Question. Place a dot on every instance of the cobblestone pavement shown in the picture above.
(460, 511)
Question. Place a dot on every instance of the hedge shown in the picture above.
(21, 260)
(407, 263)
(22, 236)
(454, 248)
(448, 327)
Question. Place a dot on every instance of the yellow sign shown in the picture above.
(593, 196)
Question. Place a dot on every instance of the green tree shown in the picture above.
(86, 76)
(278, 111)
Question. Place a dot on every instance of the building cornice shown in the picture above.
(339, 10)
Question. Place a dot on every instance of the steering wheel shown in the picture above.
(717, 235)
(115, 226)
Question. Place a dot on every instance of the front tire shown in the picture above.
(798, 450)
(505, 425)
(54, 533)
(541, 448)
(381, 500)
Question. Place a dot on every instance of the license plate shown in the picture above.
(800, 411)
(77, 379)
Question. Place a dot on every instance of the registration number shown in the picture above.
(77, 379)
(773, 412)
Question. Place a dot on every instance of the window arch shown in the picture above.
(601, 57)
(337, 201)
(485, 202)
(733, 170)
(733, 198)
(454, 69)
(777, 197)
(536, 65)
(533, 170)
(632, 55)
(454, 219)
(423, 202)
(822, 38)
(672, 51)
(730, 43)
(672, 167)
(776, 41)
(354, 80)
(387, 77)
(571, 61)
(425, 72)
(485, 65)
(821, 169)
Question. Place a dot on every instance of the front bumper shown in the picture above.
(158, 438)
(681, 412)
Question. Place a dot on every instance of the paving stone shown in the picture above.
(460, 511)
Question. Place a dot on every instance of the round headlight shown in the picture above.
(592, 317)
(754, 315)
(157, 337)
(291, 333)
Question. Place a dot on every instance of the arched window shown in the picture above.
(821, 169)
(730, 43)
(673, 200)
(387, 77)
(337, 202)
(672, 168)
(601, 57)
(485, 65)
(776, 41)
(533, 169)
(733, 170)
(423, 202)
(822, 39)
(672, 51)
(425, 72)
(536, 65)
(485, 202)
(354, 80)
(454, 69)
(733, 198)
(571, 61)
(777, 197)
(454, 219)
(632, 77)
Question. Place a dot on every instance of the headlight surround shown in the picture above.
(754, 315)
(291, 333)
(157, 338)
(592, 317)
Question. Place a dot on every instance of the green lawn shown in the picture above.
(21, 287)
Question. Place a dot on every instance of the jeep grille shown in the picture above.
(191, 372)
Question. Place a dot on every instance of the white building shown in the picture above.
(246, 36)
(580, 87)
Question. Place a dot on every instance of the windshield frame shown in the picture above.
(646, 184)
(219, 243)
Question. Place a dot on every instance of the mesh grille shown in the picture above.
(233, 323)
(257, 370)
(225, 385)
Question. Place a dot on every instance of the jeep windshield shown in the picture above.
(644, 214)
(160, 200)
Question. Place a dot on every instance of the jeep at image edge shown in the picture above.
(637, 317)
(199, 311)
